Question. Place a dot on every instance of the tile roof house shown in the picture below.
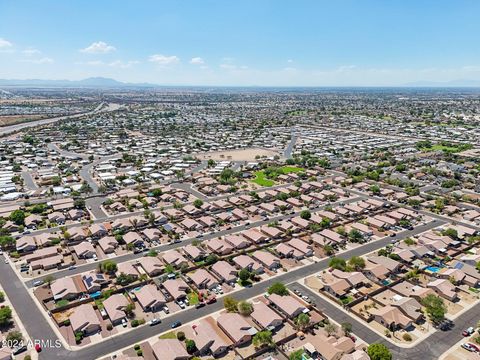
(152, 265)
(391, 317)
(246, 262)
(64, 288)
(195, 253)
(127, 268)
(174, 258)
(84, 250)
(236, 328)
(177, 288)
(202, 279)
(114, 307)
(150, 298)
(94, 281)
(287, 305)
(108, 244)
(265, 317)
(169, 349)
(238, 242)
(84, 319)
(267, 259)
(444, 288)
(219, 246)
(132, 237)
(224, 271)
(208, 338)
(254, 236)
(305, 248)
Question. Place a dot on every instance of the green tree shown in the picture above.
(337, 263)
(14, 336)
(5, 315)
(355, 236)
(198, 203)
(451, 233)
(305, 214)
(296, 355)
(278, 288)
(244, 275)
(347, 328)
(18, 217)
(230, 304)
(190, 346)
(108, 266)
(331, 329)
(357, 263)
(434, 307)
(379, 352)
(244, 308)
(302, 321)
(262, 338)
(7, 242)
(211, 259)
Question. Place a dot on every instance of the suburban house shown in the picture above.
(236, 328)
(224, 271)
(169, 349)
(150, 298)
(64, 288)
(84, 319)
(288, 305)
(265, 317)
(208, 339)
(114, 307)
(202, 279)
(177, 288)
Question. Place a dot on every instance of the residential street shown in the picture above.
(36, 323)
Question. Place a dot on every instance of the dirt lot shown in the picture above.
(238, 155)
(16, 119)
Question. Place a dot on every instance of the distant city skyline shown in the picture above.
(243, 43)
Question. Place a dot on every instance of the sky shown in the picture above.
(242, 42)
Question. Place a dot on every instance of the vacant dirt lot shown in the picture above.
(238, 155)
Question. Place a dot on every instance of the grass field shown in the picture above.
(168, 335)
(262, 180)
(193, 298)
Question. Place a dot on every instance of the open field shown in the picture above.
(238, 155)
(17, 119)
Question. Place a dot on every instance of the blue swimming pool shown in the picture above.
(386, 282)
(433, 269)
(96, 294)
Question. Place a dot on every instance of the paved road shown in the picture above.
(289, 149)
(29, 182)
(5, 130)
(188, 188)
(429, 349)
(37, 325)
(66, 153)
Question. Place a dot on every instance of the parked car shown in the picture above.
(199, 305)
(38, 348)
(176, 324)
(468, 331)
(154, 321)
(166, 310)
(124, 322)
(19, 349)
(468, 347)
(38, 283)
(476, 347)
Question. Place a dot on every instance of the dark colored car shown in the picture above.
(176, 324)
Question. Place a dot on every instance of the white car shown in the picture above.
(154, 322)
(181, 304)
(166, 310)
(124, 322)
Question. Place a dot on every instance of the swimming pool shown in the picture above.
(433, 269)
(96, 294)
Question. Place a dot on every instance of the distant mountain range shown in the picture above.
(92, 82)
(102, 82)
(452, 83)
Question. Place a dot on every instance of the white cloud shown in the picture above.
(5, 43)
(123, 65)
(95, 63)
(43, 60)
(289, 61)
(197, 61)
(98, 47)
(228, 66)
(31, 52)
(163, 59)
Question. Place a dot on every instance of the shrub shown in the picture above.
(139, 352)
(136, 347)
(109, 327)
(407, 337)
(66, 322)
(181, 335)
